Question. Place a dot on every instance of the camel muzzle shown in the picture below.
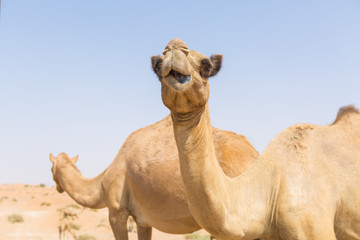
(180, 78)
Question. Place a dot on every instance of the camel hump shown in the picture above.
(343, 111)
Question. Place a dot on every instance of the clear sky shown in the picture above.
(75, 76)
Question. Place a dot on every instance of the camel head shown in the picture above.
(62, 160)
(184, 74)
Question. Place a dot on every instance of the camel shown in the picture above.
(144, 180)
(67, 214)
(305, 185)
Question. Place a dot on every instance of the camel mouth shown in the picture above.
(179, 77)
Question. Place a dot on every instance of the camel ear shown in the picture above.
(52, 158)
(156, 63)
(216, 61)
(206, 67)
(74, 159)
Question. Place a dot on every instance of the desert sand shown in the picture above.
(40, 208)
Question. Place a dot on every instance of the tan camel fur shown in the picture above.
(305, 185)
(144, 180)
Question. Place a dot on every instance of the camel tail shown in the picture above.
(345, 111)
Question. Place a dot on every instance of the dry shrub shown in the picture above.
(45, 204)
(86, 237)
(196, 236)
(15, 218)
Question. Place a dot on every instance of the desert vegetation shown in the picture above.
(196, 236)
(86, 237)
(15, 218)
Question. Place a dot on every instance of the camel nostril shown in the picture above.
(180, 78)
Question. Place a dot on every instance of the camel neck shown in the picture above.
(86, 192)
(216, 201)
(202, 175)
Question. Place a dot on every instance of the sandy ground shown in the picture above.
(40, 208)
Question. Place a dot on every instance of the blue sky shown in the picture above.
(75, 76)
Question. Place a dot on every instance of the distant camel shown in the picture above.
(304, 186)
(67, 214)
(144, 180)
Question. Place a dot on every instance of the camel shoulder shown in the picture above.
(233, 151)
(232, 139)
(150, 132)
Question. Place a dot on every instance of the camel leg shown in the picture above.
(67, 229)
(118, 223)
(144, 233)
(60, 231)
(72, 233)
